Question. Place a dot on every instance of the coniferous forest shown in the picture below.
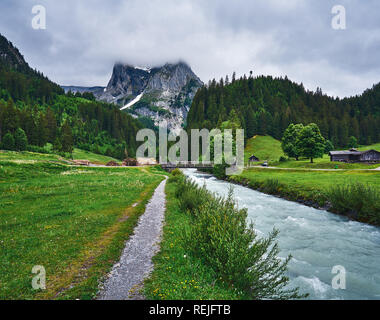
(35, 111)
(267, 105)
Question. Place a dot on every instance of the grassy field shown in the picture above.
(265, 148)
(72, 221)
(307, 182)
(373, 146)
(32, 157)
(321, 163)
(269, 149)
(26, 157)
(79, 154)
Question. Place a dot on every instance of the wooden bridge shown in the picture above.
(187, 165)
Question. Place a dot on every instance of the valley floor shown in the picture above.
(73, 221)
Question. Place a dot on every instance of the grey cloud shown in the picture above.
(216, 37)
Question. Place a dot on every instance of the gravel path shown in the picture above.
(135, 263)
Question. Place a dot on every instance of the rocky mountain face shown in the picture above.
(160, 93)
(11, 57)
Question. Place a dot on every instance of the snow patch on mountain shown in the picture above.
(135, 100)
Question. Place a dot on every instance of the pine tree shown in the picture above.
(8, 142)
(353, 142)
(67, 140)
(328, 146)
(20, 140)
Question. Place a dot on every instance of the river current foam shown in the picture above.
(316, 239)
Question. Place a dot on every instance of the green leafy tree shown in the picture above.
(289, 140)
(353, 142)
(21, 141)
(310, 142)
(8, 142)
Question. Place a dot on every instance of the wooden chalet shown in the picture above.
(253, 158)
(354, 155)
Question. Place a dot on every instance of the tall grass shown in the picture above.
(360, 200)
(220, 236)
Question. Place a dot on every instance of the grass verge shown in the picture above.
(72, 221)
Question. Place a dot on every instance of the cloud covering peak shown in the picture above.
(84, 38)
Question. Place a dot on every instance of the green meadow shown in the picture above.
(79, 154)
(73, 221)
(269, 149)
(307, 182)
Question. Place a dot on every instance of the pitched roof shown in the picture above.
(350, 152)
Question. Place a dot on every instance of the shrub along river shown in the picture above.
(316, 239)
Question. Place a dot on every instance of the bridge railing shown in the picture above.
(188, 164)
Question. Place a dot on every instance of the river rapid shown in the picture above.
(316, 239)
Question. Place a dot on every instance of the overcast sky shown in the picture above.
(84, 38)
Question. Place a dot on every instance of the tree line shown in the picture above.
(267, 106)
(68, 122)
(35, 111)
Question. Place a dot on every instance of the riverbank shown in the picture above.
(317, 240)
(318, 189)
(178, 275)
(210, 251)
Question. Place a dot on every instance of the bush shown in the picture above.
(270, 186)
(176, 176)
(190, 196)
(358, 199)
(219, 170)
(282, 159)
(222, 239)
(177, 172)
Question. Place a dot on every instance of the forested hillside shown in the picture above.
(267, 105)
(35, 111)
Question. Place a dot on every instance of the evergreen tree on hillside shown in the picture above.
(8, 142)
(51, 125)
(67, 140)
(353, 142)
(21, 141)
(267, 106)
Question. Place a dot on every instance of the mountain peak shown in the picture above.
(160, 91)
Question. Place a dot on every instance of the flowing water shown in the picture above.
(316, 239)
